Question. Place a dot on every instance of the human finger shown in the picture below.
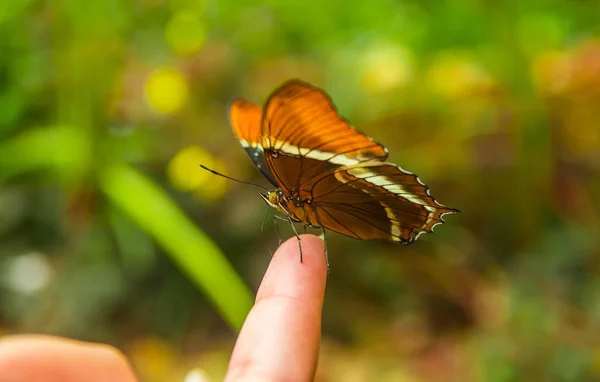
(280, 338)
(26, 358)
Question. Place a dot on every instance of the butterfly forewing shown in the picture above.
(245, 118)
(300, 119)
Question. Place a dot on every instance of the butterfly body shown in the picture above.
(328, 174)
(299, 210)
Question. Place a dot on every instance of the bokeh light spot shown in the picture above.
(551, 71)
(28, 273)
(386, 67)
(197, 375)
(185, 173)
(185, 33)
(540, 32)
(151, 356)
(166, 90)
(454, 76)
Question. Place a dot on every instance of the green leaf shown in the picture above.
(194, 252)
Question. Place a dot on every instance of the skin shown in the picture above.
(278, 342)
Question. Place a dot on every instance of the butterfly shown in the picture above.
(326, 173)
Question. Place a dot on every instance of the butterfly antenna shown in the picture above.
(230, 178)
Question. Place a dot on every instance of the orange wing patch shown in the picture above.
(245, 118)
(301, 120)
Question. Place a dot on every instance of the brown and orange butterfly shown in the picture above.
(326, 173)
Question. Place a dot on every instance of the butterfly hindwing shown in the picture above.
(379, 200)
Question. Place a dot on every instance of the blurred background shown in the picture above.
(110, 231)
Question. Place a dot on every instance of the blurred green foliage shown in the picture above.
(110, 231)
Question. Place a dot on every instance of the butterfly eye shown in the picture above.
(273, 197)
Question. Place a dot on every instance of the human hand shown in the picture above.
(279, 340)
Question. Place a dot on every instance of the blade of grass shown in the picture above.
(194, 252)
(63, 150)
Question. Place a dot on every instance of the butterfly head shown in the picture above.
(275, 200)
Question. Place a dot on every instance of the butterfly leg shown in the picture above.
(275, 218)
(326, 255)
(297, 236)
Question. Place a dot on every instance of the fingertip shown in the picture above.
(288, 275)
(313, 254)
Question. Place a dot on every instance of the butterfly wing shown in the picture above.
(303, 135)
(375, 200)
(303, 146)
(300, 119)
(245, 118)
